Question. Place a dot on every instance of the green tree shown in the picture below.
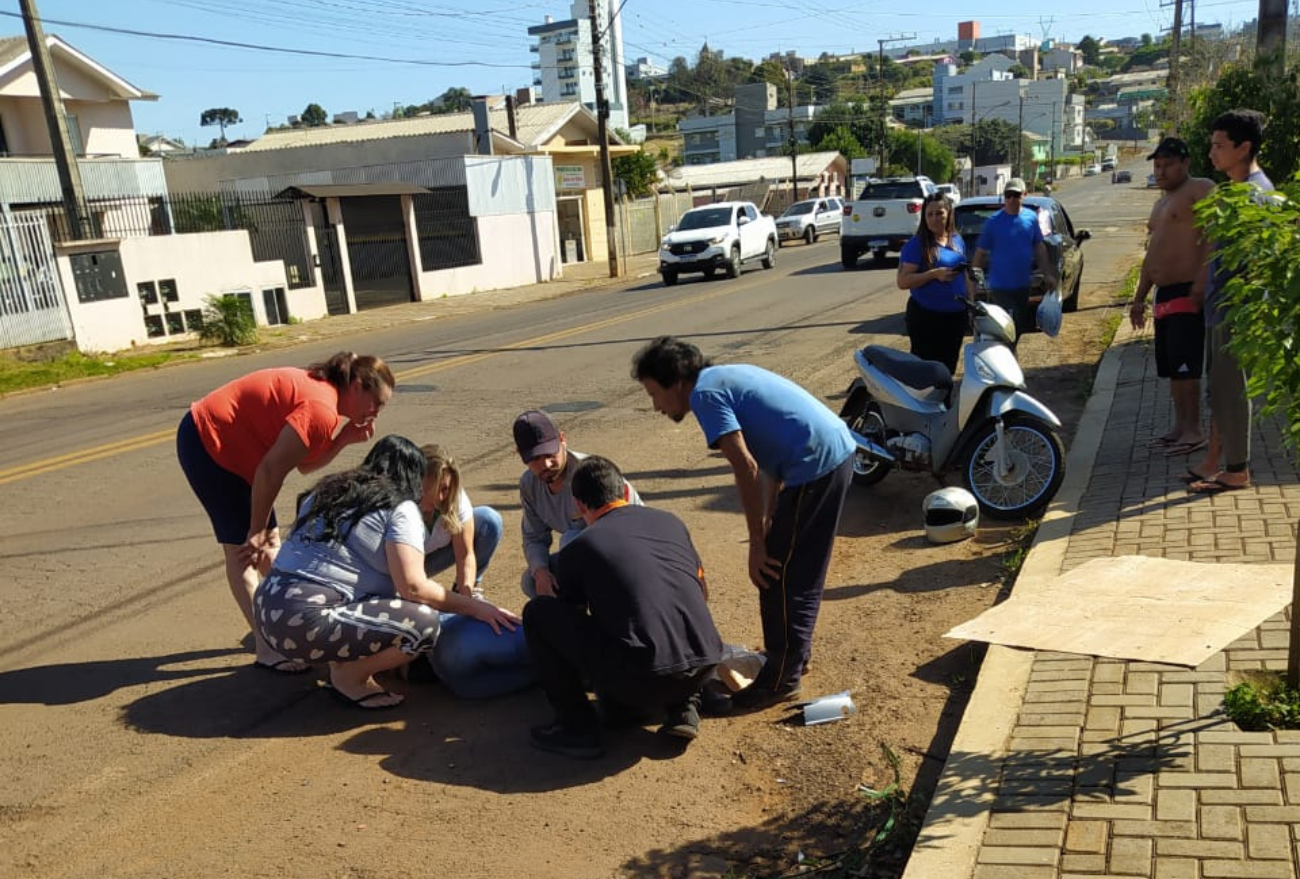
(314, 116)
(860, 119)
(455, 100)
(221, 116)
(1090, 49)
(841, 140)
(638, 173)
(1243, 86)
(936, 160)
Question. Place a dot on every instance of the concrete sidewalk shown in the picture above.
(1069, 766)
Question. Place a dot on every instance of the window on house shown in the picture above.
(74, 135)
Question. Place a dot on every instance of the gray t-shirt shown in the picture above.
(357, 567)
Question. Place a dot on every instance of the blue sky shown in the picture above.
(483, 45)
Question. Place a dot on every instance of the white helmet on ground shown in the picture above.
(951, 514)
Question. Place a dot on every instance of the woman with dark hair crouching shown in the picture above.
(348, 588)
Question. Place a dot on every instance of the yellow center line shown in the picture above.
(133, 444)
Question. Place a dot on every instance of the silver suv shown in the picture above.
(810, 219)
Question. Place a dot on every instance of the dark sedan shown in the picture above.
(1063, 240)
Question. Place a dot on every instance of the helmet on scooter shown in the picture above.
(951, 514)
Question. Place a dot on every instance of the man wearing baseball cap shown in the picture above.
(1175, 265)
(1009, 247)
(546, 497)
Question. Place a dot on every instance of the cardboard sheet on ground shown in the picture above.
(1134, 607)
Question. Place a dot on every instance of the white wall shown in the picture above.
(517, 249)
(202, 264)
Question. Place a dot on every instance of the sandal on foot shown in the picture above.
(1176, 449)
(283, 666)
(366, 702)
(1214, 486)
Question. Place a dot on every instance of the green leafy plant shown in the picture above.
(228, 320)
(1264, 702)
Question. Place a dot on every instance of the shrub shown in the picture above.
(228, 320)
(1265, 702)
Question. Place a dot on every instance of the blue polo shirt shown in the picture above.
(938, 295)
(1010, 240)
(793, 437)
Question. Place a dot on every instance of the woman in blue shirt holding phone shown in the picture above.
(932, 266)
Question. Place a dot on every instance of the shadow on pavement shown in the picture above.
(71, 682)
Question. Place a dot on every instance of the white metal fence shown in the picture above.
(641, 224)
(32, 310)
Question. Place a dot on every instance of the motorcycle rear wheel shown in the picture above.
(865, 419)
(1038, 468)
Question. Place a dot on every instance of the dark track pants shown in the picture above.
(801, 536)
(568, 652)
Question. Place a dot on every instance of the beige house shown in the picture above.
(430, 151)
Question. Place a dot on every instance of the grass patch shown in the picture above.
(1264, 701)
(21, 375)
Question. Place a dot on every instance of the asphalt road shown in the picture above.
(116, 692)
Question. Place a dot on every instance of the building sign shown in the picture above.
(570, 177)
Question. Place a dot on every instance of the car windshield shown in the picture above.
(803, 207)
(706, 218)
(970, 221)
(891, 189)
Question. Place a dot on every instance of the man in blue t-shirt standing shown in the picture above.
(1009, 246)
(793, 463)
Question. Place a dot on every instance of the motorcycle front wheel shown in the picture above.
(864, 417)
(1036, 471)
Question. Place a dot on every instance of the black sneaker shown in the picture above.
(619, 715)
(682, 722)
(715, 701)
(557, 739)
(756, 698)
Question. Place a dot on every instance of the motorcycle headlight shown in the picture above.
(982, 370)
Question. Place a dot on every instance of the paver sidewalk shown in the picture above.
(1083, 766)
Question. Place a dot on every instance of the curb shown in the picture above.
(958, 814)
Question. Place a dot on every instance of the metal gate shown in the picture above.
(331, 270)
(32, 310)
(377, 249)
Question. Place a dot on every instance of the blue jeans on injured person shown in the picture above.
(487, 535)
(476, 663)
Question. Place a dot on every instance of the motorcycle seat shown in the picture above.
(908, 368)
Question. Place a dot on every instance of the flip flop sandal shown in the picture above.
(1177, 449)
(1159, 442)
(283, 666)
(366, 702)
(1214, 486)
(1192, 476)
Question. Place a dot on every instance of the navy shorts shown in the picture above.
(1180, 346)
(226, 497)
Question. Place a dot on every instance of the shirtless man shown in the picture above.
(1175, 265)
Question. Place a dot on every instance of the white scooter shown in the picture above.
(905, 412)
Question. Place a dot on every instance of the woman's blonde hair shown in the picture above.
(441, 464)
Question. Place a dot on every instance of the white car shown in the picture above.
(1091, 170)
(810, 219)
(721, 236)
(950, 190)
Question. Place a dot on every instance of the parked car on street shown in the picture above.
(1091, 170)
(725, 236)
(810, 219)
(1063, 240)
(1123, 177)
(1108, 163)
(950, 190)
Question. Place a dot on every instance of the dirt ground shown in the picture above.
(752, 797)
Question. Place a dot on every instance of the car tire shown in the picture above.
(810, 235)
(733, 265)
(1070, 304)
(848, 259)
(670, 279)
(769, 254)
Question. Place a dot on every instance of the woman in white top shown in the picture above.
(470, 659)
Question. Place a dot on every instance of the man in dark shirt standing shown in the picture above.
(632, 619)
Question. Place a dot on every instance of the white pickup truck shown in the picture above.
(725, 236)
(886, 214)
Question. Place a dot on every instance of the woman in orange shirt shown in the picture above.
(238, 444)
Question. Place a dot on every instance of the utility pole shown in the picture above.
(65, 160)
(794, 144)
(971, 190)
(1270, 41)
(884, 104)
(1175, 53)
(602, 134)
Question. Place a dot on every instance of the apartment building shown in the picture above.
(564, 69)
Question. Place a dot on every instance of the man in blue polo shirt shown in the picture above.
(1009, 246)
(793, 463)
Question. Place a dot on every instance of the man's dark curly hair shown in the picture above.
(668, 360)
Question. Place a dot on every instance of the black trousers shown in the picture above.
(568, 652)
(801, 536)
(936, 335)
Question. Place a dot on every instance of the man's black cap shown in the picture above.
(1173, 147)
